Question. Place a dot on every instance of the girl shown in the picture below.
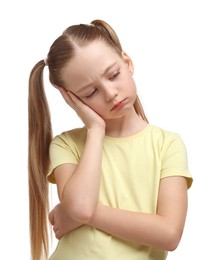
(122, 182)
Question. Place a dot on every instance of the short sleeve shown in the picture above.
(174, 159)
(60, 153)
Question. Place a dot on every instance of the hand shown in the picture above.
(90, 118)
(61, 222)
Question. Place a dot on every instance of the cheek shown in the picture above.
(100, 109)
(96, 105)
(130, 85)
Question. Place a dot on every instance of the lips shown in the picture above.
(119, 105)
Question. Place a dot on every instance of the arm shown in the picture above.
(162, 230)
(78, 186)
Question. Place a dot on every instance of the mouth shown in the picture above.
(119, 105)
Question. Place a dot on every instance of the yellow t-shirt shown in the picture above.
(132, 168)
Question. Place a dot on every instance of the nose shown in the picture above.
(110, 93)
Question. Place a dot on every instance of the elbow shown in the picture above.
(80, 211)
(173, 240)
(84, 213)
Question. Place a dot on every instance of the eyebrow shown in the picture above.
(105, 71)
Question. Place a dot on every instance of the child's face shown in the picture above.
(102, 80)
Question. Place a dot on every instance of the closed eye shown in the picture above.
(91, 93)
(114, 75)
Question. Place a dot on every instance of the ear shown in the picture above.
(128, 61)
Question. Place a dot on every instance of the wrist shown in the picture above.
(96, 131)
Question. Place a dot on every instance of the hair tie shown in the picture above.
(45, 62)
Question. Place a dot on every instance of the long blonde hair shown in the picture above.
(40, 129)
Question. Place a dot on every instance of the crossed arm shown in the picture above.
(162, 230)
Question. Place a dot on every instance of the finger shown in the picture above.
(51, 217)
(55, 229)
(58, 235)
(74, 99)
(72, 95)
(66, 97)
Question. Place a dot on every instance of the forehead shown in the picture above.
(89, 62)
(97, 50)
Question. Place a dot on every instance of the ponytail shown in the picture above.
(109, 32)
(39, 138)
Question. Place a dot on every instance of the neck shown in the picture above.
(125, 126)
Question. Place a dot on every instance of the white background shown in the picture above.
(171, 45)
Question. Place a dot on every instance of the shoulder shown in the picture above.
(173, 154)
(164, 136)
(66, 148)
(168, 144)
(161, 132)
(71, 136)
